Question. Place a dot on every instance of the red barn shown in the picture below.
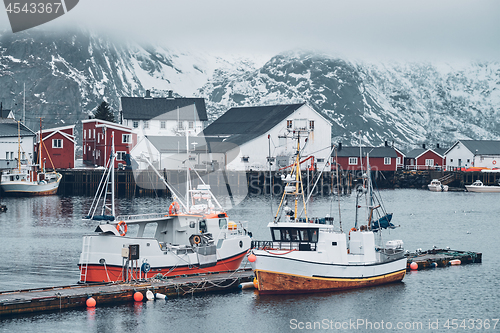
(426, 158)
(97, 140)
(59, 147)
(381, 158)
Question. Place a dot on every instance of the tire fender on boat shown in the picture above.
(122, 228)
(174, 208)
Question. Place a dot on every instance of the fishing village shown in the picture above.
(193, 246)
(271, 166)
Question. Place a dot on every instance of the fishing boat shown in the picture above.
(478, 186)
(311, 254)
(194, 236)
(436, 186)
(30, 179)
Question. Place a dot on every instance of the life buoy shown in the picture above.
(122, 228)
(174, 208)
(352, 229)
(494, 162)
(197, 239)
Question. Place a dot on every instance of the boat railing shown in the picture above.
(284, 245)
(153, 216)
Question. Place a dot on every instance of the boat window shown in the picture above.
(192, 224)
(222, 223)
(295, 234)
(203, 226)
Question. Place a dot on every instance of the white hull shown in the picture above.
(31, 188)
(443, 188)
(482, 189)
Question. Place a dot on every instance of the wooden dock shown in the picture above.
(75, 296)
(442, 258)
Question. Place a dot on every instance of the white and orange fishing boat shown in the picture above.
(314, 255)
(194, 236)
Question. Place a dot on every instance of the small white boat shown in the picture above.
(29, 179)
(478, 186)
(436, 186)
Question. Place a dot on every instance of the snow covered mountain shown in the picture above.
(408, 103)
(68, 74)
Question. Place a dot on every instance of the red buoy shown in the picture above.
(252, 257)
(414, 266)
(138, 296)
(91, 302)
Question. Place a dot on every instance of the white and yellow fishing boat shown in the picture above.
(315, 255)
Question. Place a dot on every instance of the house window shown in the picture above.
(244, 158)
(126, 138)
(289, 123)
(353, 161)
(57, 143)
(6, 155)
(120, 155)
(135, 124)
(179, 126)
(311, 125)
(84, 135)
(387, 161)
(429, 162)
(191, 124)
(162, 124)
(398, 160)
(146, 124)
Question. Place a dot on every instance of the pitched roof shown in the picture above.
(243, 124)
(4, 113)
(8, 128)
(140, 108)
(483, 147)
(197, 144)
(352, 151)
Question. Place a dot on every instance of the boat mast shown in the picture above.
(19, 146)
(112, 166)
(188, 181)
(40, 146)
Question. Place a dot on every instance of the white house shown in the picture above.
(12, 136)
(249, 135)
(473, 153)
(172, 153)
(165, 116)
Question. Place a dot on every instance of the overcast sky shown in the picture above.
(366, 29)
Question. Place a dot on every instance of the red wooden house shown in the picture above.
(381, 158)
(426, 159)
(58, 147)
(97, 142)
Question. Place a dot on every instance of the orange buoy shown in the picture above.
(414, 266)
(91, 302)
(138, 296)
(455, 262)
(252, 257)
(256, 283)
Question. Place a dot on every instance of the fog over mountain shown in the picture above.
(68, 74)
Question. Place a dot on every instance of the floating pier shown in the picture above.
(441, 258)
(75, 296)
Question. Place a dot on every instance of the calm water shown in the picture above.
(41, 243)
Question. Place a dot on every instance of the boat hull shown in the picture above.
(101, 273)
(433, 188)
(281, 283)
(30, 189)
(483, 189)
